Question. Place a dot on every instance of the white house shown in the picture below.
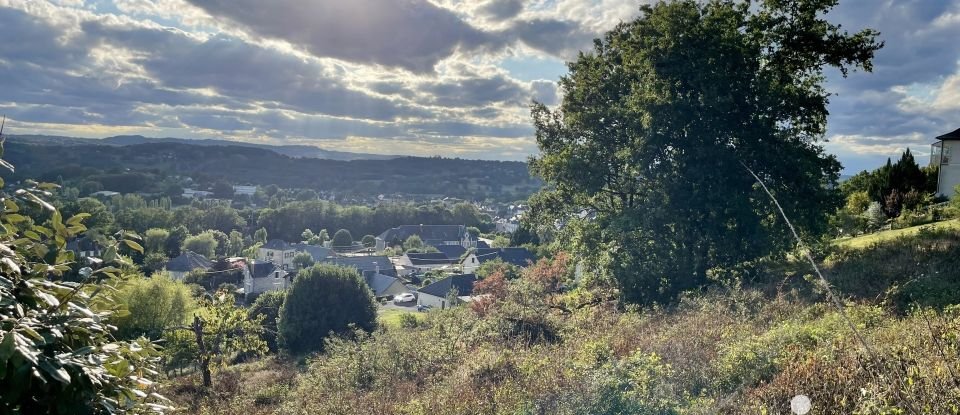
(263, 276)
(941, 154)
(384, 285)
(196, 194)
(281, 253)
(435, 295)
(520, 257)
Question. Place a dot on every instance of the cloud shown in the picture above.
(412, 34)
(502, 9)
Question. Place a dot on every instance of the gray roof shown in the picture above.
(316, 251)
(430, 258)
(452, 251)
(379, 283)
(188, 261)
(954, 135)
(520, 257)
(278, 244)
(430, 234)
(365, 264)
(463, 283)
(263, 269)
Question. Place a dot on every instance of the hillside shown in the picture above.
(127, 140)
(736, 350)
(141, 164)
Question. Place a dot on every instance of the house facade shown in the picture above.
(520, 257)
(281, 253)
(263, 276)
(384, 285)
(435, 295)
(945, 153)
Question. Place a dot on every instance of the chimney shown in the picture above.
(377, 267)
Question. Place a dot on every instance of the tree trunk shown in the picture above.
(204, 357)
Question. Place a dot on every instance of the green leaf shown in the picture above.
(133, 245)
(56, 372)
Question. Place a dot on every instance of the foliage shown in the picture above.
(266, 309)
(500, 242)
(57, 352)
(413, 242)
(203, 243)
(342, 240)
(324, 299)
(155, 240)
(508, 270)
(155, 305)
(302, 260)
(369, 241)
(656, 150)
(224, 330)
(260, 236)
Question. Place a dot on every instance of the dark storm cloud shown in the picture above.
(502, 9)
(477, 91)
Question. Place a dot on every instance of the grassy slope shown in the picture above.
(726, 351)
(868, 240)
(391, 317)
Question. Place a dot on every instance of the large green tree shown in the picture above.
(659, 121)
(324, 299)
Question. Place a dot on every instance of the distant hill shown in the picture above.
(298, 151)
(142, 167)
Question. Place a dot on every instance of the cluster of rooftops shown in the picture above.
(458, 255)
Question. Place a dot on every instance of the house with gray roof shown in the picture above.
(432, 235)
(941, 156)
(520, 257)
(265, 276)
(384, 285)
(188, 261)
(435, 294)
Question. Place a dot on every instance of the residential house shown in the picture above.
(278, 252)
(263, 276)
(941, 155)
(179, 267)
(365, 264)
(105, 194)
(432, 235)
(423, 262)
(520, 257)
(384, 285)
(435, 295)
(84, 247)
(281, 253)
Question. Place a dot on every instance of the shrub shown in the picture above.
(155, 304)
(324, 299)
(268, 305)
(342, 240)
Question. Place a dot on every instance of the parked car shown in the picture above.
(404, 298)
(423, 308)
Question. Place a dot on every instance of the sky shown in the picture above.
(453, 78)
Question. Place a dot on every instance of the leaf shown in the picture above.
(77, 219)
(133, 245)
(56, 372)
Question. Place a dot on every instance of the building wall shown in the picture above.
(430, 300)
(949, 168)
(470, 264)
(396, 288)
(283, 259)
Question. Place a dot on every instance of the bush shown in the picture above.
(155, 305)
(268, 305)
(325, 299)
(342, 240)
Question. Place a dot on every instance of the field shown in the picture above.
(870, 239)
(392, 318)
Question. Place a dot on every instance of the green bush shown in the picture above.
(155, 305)
(325, 299)
(268, 305)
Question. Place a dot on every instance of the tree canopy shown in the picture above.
(324, 299)
(644, 158)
